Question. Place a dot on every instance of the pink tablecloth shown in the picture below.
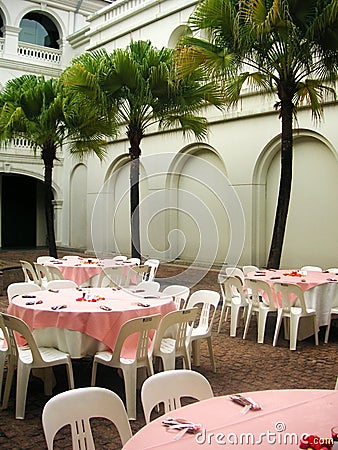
(285, 416)
(81, 270)
(87, 317)
(305, 282)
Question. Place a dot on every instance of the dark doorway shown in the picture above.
(18, 211)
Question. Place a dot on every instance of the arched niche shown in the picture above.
(310, 230)
(78, 207)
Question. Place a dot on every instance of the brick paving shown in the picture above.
(242, 365)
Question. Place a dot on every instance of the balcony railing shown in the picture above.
(38, 53)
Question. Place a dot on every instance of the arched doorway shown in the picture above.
(22, 212)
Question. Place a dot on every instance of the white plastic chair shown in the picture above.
(26, 358)
(44, 259)
(260, 302)
(111, 277)
(137, 274)
(41, 273)
(247, 269)
(153, 264)
(234, 299)
(76, 407)
(4, 351)
(333, 270)
(61, 284)
(173, 337)
(235, 272)
(293, 310)
(121, 258)
(71, 257)
(312, 268)
(171, 387)
(135, 261)
(54, 273)
(208, 301)
(20, 288)
(148, 286)
(29, 272)
(331, 290)
(140, 327)
(180, 294)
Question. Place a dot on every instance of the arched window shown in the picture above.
(39, 29)
(1, 25)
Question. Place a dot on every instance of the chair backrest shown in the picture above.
(135, 261)
(71, 257)
(76, 407)
(333, 270)
(54, 273)
(138, 273)
(232, 286)
(111, 277)
(312, 268)
(14, 324)
(14, 289)
(292, 295)
(178, 326)
(153, 264)
(120, 258)
(247, 269)
(260, 291)
(141, 327)
(41, 272)
(148, 286)
(180, 294)
(235, 272)
(44, 259)
(207, 299)
(170, 387)
(29, 272)
(61, 284)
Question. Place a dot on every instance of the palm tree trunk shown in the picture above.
(134, 208)
(135, 136)
(48, 156)
(284, 186)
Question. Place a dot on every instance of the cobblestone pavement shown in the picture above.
(242, 365)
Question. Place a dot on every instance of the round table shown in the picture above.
(285, 416)
(81, 270)
(320, 292)
(82, 327)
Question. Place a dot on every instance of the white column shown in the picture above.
(11, 36)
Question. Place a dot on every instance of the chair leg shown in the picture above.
(223, 317)
(262, 316)
(2, 368)
(211, 353)
(9, 380)
(70, 374)
(130, 376)
(196, 352)
(327, 332)
(94, 371)
(23, 373)
(277, 328)
(294, 323)
(315, 329)
(234, 320)
(248, 320)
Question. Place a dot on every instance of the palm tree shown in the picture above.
(140, 86)
(280, 47)
(43, 112)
